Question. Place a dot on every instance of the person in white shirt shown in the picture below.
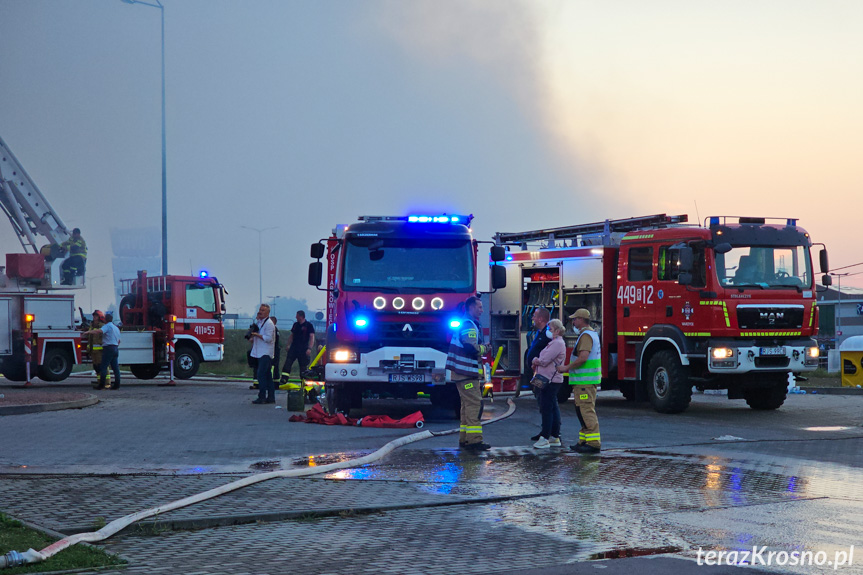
(110, 351)
(263, 343)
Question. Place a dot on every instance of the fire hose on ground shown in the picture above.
(16, 558)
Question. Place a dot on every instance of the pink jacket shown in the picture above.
(553, 355)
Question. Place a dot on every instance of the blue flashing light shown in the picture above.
(509, 258)
(204, 274)
(361, 322)
(792, 223)
(455, 324)
(441, 219)
(714, 221)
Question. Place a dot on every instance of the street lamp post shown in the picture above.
(260, 260)
(161, 8)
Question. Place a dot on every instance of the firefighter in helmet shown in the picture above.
(464, 362)
(94, 344)
(75, 249)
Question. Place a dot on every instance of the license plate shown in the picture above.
(772, 351)
(406, 378)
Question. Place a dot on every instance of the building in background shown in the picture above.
(135, 249)
(839, 321)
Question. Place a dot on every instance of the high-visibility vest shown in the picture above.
(459, 359)
(76, 247)
(589, 373)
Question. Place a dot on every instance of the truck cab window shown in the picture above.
(640, 267)
(201, 296)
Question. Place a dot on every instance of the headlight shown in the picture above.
(722, 352)
(399, 303)
(437, 303)
(343, 356)
(813, 352)
(418, 303)
(379, 302)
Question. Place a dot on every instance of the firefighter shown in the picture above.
(76, 257)
(585, 374)
(464, 363)
(95, 346)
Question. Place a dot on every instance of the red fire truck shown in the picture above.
(395, 287)
(728, 305)
(38, 334)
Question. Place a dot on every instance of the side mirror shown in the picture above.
(722, 248)
(498, 277)
(316, 273)
(317, 252)
(498, 253)
(826, 279)
(684, 279)
(822, 259)
(685, 266)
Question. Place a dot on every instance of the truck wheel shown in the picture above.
(145, 370)
(766, 398)
(57, 366)
(15, 371)
(668, 383)
(338, 400)
(186, 362)
(627, 389)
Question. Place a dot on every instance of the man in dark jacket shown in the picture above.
(540, 320)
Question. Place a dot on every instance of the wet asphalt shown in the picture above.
(719, 477)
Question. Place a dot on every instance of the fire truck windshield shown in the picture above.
(765, 267)
(408, 265)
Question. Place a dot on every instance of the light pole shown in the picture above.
(260, 260)
(161, 8)
(839, 307)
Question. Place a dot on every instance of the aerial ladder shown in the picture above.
(597, 233)
(31, 215)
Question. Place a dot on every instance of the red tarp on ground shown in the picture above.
(317, 415)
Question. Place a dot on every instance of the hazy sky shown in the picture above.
(528, 114)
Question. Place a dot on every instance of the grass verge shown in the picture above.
(14, 536)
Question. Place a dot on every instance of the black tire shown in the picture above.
(126, 304)
(768, 397)
(627, 389)
(57, 365)
(15, 371)
(668, 383)
(186, 362)
(145, 370)
(338, 400)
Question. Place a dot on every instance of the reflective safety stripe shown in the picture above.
(473, 428)
(769, 333)
(590, 373)
(583, 396)
(468, 386)
(459, 360)
(724, 309)
(589, 436)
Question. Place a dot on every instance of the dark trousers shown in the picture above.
(266, 387)
(73, 266)
(298, 356)
(110, 357)
(550, 410)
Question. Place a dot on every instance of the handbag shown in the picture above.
(539, 381)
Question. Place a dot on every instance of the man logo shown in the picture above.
(407, 327)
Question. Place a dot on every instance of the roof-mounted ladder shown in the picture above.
(606, 228)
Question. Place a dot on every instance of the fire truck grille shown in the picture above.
(769, 317)
(415, 334)
(770, 362)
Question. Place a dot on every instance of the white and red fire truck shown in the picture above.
(395, 289)
(38, 332)
(728, 305)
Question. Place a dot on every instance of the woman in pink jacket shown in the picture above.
(546, 364)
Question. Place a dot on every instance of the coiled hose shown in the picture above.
(15, 558)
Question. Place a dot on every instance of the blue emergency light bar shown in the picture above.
(204, 274)
(441, 219)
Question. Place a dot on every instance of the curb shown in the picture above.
(833, 390)
(56, 406)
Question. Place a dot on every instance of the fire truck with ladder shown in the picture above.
(38, 332)
(395, 293)
(727, 305)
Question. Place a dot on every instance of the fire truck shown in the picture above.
(726, 305)
(38, 331)
(395, 293)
